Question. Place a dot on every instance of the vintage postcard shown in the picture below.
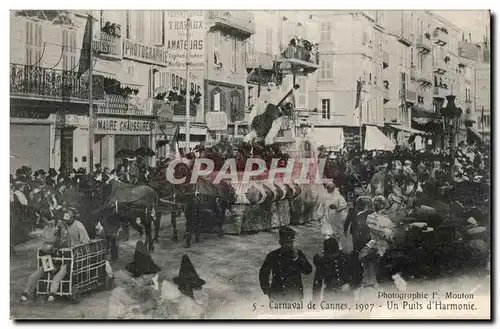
(231, 164)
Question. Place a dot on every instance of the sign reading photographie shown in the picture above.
(113, 126)
(176, 42)
(145, 53)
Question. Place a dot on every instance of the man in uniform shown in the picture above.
(286, 265)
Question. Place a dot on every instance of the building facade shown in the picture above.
(225, 71)
(345, 60)
(46, 90)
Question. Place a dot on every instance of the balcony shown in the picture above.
(440, 92)
(424, 45)
(440, 36)
(108, 46)
(439, 66)
(256, 59)
(385, 59)
(299, 58)
(127, 106)
(39, 83)
(239, 21)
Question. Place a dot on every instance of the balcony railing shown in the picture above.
(440, 92)
(108, 45)
(239, 20)
(385, 59)
(122, 105)
(51, 84)
(440, 37)
(424, 44)
(256, 59)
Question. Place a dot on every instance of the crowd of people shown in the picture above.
(370, 194)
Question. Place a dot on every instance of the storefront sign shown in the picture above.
(176, 38)
(111, 126)
(29, 114)
(144, 53)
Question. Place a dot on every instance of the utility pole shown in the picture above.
(91, 105)
(188, 93)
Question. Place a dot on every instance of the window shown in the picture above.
(403, 81)
(368, 112)
(33, 43)
(217, 36)
(164, 80)
(140, 24)
(412, 62)
(127, 24)
(156, 27)
(326, 70)
(325, 108)
(69, 50)
(234, 54)
(326, 31)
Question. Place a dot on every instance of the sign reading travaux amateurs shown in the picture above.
(176, 42)
(112, 126)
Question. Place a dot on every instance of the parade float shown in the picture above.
(272, 200)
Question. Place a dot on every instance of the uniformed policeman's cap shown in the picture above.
(286, 234)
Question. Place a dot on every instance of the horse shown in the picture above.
(125, 205)
(202, 202)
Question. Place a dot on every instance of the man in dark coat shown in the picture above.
(286, 265)
(356, 223)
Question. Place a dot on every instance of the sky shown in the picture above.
(472, 21)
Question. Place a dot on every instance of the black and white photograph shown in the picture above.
(250, 164)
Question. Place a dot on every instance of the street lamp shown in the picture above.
(451, 116)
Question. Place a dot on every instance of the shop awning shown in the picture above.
(376, 140)
(332, 138)
(408, 130)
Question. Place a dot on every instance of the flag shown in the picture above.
(358, 93)
(85, 57)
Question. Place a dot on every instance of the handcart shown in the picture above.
(86, 265)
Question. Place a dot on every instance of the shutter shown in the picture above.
(39, 35)
(223, 101)
(65, 40)
(28, 33)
